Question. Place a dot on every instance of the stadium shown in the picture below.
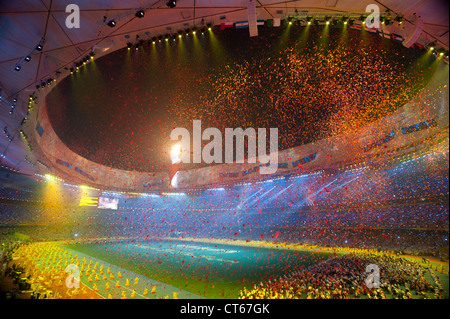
(100, 199)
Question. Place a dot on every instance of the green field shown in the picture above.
(208, 270)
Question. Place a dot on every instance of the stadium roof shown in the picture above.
(26, 23)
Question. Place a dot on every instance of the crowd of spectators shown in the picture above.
(9, 193)
(347, 277)
(403, 207)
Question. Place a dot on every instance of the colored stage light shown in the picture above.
(171, 3)
(140, 14)
(175, 153)
(399, 19)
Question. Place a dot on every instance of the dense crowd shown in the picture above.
(347, 277)
(403, 207)
(19, 213)
(405, 216)
(8, 193)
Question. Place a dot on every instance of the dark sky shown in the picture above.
(309, 83)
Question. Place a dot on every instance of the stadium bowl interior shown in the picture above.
(89, 181)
